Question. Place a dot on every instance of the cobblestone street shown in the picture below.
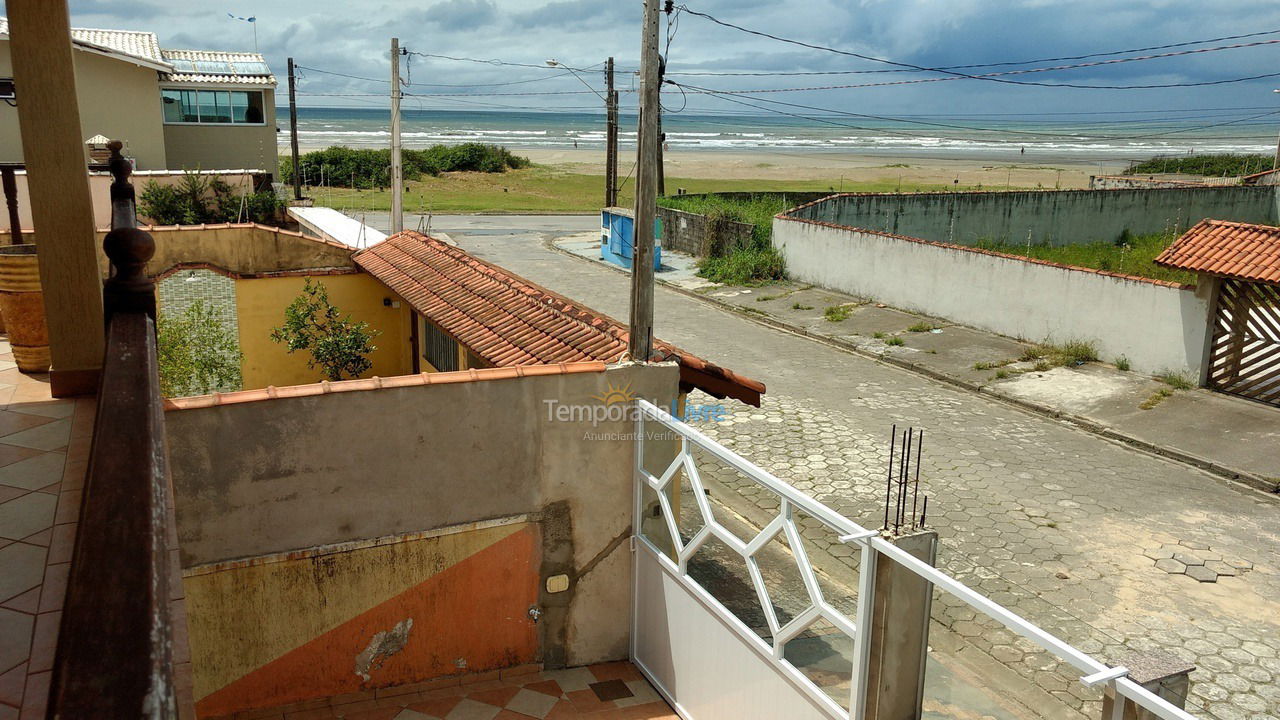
(1094, 541)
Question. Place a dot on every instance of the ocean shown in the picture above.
(1084, 137)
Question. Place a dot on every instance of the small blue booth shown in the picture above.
(617, 235)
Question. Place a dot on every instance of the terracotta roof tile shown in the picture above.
(510, 321)
(325, 387)
(1229, 249)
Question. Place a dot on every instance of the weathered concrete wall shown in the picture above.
(1142, 182)
(698, 235)
(116, 98)
(1059, 217)
(100, 191)
(377, 614)
(244, 249)
(1157, 326)
(297, 472)
(260, 305)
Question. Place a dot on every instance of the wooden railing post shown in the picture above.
(127, 246)
(115, 640)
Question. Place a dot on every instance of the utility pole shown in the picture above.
(610, 139)
(293, 133)
(662, 141)
(641, 341)
(397, 208)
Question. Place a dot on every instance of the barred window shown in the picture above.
(438, 349)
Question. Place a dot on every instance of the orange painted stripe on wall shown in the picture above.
(475, 611)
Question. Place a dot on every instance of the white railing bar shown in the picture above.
(692, 546)
(668, 517)
(837, 619)
(765, 536)
(823, 513)
(862, 640)
(762, 593)
(1104, 676)
(728, 538)
(871, 542)
(987, 607)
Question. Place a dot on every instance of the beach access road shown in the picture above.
(1070, 529)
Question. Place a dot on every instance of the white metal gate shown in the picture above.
(709, 664)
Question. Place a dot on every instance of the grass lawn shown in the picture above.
(547, 189)
(1135, 258)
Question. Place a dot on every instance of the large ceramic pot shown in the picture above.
(22, 304)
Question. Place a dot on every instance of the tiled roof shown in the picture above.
(510, 321)
(1229, 249)
(136, 44)
(378, 383)
(216, 66)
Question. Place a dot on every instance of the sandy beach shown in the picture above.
(835, 167)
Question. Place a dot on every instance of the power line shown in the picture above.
(986, 78)
(732, 97)
(994, 64)
(1025, 71)
(458, 85)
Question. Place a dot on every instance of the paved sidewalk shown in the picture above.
(1231, 436)
(1055, 522)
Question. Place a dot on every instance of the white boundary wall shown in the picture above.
(1158, 326)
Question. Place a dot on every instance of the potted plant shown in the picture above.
(22, 305)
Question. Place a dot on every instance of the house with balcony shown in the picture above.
(361, 549)
(173, 109)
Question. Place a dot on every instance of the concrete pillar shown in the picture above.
(58, 181)
(1164, 675)
(900, 632)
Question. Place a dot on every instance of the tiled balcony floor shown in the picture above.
(611, 691)
(44, 449)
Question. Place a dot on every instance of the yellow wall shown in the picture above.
(116, 98)
(261, 303)
(225, 147)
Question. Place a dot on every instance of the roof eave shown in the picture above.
(118, 55)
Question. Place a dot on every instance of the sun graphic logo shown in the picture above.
(615, 394)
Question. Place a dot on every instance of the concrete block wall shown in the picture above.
(697, 235)
(1059, 217)
(1158, 326)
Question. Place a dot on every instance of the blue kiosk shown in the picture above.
(617, 235)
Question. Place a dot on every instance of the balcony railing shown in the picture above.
(115, 642)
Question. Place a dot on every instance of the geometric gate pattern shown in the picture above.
(1245, 355)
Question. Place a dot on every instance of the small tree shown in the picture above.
(337, 345)
(198, 354)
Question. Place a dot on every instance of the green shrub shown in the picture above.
(1216, 165)
(1177, 381)
(743, 266)
(895, 341)
(197, 353)
(368, 169)
(1122, 363)
(921, 326)
(837, 313)
(199, 199)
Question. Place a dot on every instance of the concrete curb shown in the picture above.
(1252, 480)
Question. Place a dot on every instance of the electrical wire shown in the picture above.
(985, 78)
(1025, 71)
(994, 64)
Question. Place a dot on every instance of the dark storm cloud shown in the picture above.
(352, 38)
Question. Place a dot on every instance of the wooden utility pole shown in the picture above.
(641, 342)
(293, 133)
(610, 139)
(397, 207)
(662, 141)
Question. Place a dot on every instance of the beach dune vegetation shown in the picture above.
(371, 168)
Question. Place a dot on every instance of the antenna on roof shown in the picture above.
(252, 20)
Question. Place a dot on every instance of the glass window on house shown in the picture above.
(213, 107)
(180, 106)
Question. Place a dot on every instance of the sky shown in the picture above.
(352, 37)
